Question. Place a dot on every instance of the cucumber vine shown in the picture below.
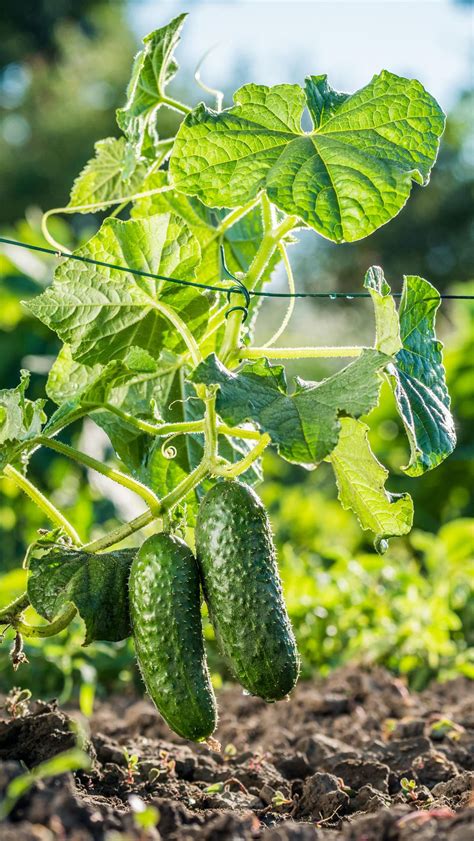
(169, 369)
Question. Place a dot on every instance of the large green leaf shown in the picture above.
(361, 482)
(104, 177)
(102, 312)
(153, 69)
(96, 584)
(305, 424)
(137, 385)
(20, 419)
(419, 380)
(350, 174)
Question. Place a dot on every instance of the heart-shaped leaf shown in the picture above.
(346, 177)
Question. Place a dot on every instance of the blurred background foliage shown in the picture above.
(64, 68)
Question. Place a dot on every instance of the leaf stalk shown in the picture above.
(53, 514)
(105, 470)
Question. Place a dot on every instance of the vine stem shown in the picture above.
(176, 105)
(151, 428)
(210, 427)
(246, 462)
(42, 502)
(43, 631)
(120, 533)
(179, 428)
(14, 609)
(297, 352)
(236, 215)
(91, 208)
(104, 469)
(237, 432)
(182, 329)
(268, 245)
(167, 504)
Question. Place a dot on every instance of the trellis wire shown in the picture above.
(212, 287)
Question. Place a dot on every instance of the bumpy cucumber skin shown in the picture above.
(242, 587)
(166, 622)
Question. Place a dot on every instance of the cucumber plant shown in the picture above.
(156, 314)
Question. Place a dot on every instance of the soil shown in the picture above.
(326, 766)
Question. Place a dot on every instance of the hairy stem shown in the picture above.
(120, 533)
(42, 502)
(105, 470)
(268, 245)
(210, 428)
(167, 504)
(43, 631)
(182, 329)
(175, 105)
(267, 213)
(230, 472)
(236, 215)
(158, 429)
(237, 431)
(8, 613)
(91, 208)
(297, 352)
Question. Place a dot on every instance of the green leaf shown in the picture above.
(345, 178)
(96, 584)
(137, 385)
(103, 179)
(361, 483)
(305, 424)
(102, 312)
(419, 381)
(387, 327)
(20, 419)
(153, 69)
(240, 242)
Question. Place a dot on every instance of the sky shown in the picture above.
(268, 42)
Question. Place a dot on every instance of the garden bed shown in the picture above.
(329, 764)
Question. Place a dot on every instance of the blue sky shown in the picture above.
(268, 41)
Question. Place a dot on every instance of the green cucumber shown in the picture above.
(167, 629)
(242, 588)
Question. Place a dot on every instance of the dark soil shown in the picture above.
(327, 765)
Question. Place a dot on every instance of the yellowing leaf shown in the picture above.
(361, 482)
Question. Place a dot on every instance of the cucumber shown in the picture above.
(166, 622)
(242, 588)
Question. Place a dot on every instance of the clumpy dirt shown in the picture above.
(326, 766)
